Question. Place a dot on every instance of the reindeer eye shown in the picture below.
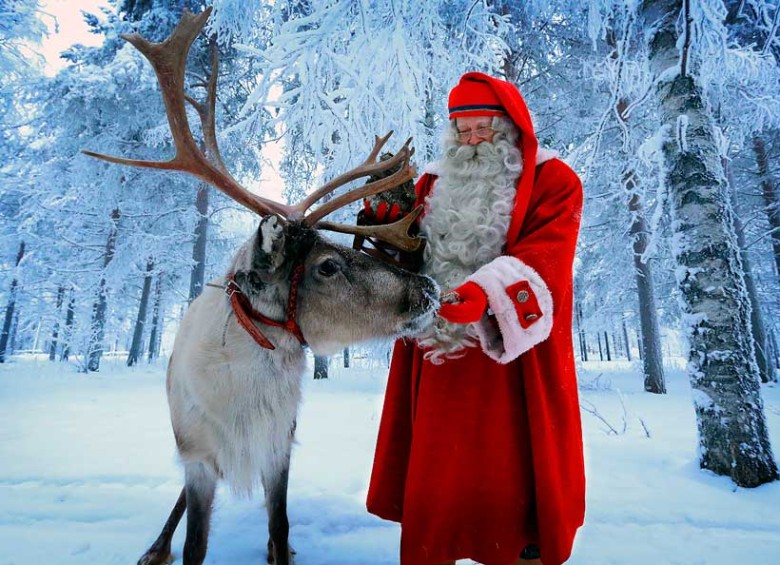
(329, 267)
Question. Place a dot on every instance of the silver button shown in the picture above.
(522, 296)
(530, 317)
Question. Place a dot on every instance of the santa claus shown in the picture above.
(479, 452)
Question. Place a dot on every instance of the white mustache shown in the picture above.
(462, 153)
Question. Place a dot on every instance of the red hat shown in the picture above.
(474, 98)
(478, 94)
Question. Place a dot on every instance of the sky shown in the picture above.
(66, 27)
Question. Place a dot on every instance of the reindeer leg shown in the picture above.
(199, 487)
(279, 551)
(160, 551)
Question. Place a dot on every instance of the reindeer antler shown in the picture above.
(169, 60)
(389, 233)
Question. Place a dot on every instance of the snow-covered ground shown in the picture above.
(88, 474)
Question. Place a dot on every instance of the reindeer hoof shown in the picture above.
(156, 558)
(272, 555)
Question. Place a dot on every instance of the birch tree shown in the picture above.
(724, 377)
(628, 83)
(576, 80)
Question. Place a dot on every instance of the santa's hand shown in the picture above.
(383, 214)
(469, 305)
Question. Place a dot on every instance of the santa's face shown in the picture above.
(474, 130)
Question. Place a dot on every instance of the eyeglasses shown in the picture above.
(481, 133)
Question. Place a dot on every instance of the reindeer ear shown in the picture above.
(269, 252)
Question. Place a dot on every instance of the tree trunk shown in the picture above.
(729, 409)
(639, 345)
(760, 341)
(156, 329)
(55, 332)
(97, 326)
(625, 340)
(601, 352)
(198, 272)
(775, 350)
(34, 347)
(97, 333)
(14, 333)
(68, 330)
(606, 346)
(581, 330)
(137, 346)
(346, 357)
(583, 336)
(652, 359)
(320, 367)
(5, 337)
(771, 204)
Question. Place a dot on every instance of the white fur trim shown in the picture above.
(543, 155)
(511, 340)
(433, 168)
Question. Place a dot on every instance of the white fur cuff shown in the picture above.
(522, 308)
(543, 155)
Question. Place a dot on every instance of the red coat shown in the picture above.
(482, 455)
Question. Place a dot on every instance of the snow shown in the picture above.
(89, 474)
(682, 132)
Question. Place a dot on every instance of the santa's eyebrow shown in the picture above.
(475, 128)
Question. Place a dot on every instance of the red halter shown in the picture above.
(244, 312)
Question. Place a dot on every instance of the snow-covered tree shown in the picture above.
(605, 125)
(100, 216)
(334, 74)
(111, 222)
(19, 26)
(722, 370)
(753, 25)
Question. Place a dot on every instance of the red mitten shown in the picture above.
(382, 215)
(471, 304)
(395, 213)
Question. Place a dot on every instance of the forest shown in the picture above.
(668, 110)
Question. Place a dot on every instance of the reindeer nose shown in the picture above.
(424, 296)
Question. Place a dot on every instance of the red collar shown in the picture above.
(245, 313)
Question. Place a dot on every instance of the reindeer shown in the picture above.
(234, 377)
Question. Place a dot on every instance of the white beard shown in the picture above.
(469, 211)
